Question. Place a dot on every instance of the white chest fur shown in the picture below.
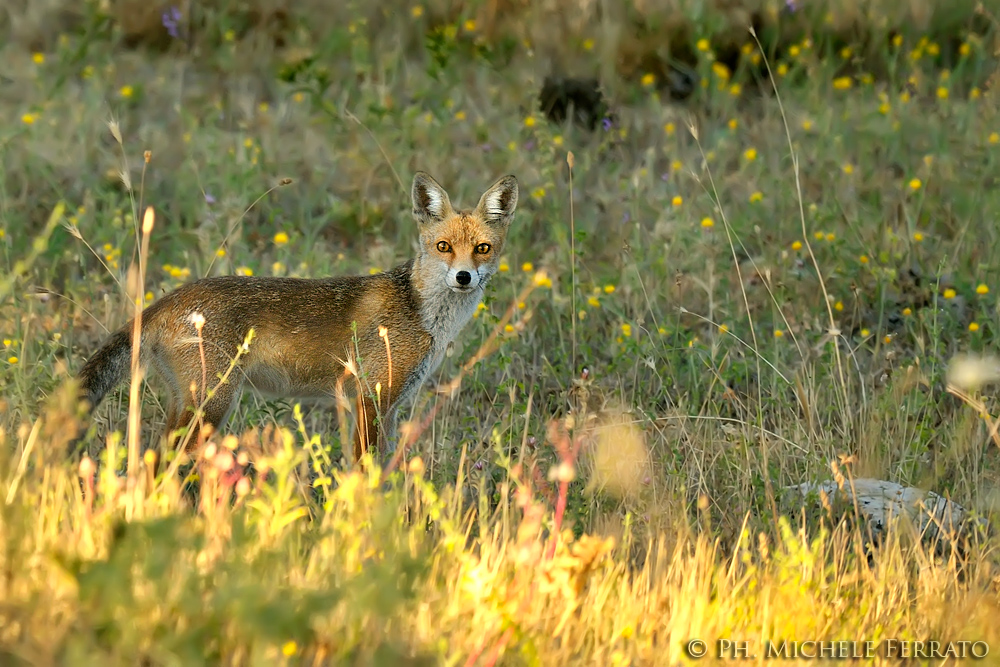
(445, 313)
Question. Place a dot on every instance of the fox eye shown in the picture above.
(483, 248)
(444, 246)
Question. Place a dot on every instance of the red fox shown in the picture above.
(390, 329)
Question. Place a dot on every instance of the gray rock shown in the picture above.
(881, 502)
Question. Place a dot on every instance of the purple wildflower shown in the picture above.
(606, 124)
(209, 199)
(171, 21)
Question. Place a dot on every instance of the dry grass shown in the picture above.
(761, 295)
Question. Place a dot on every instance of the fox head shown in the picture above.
(465, 244)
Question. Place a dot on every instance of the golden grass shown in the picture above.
(369, 577)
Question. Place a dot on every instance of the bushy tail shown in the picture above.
(108, 368)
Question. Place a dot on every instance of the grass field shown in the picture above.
(715, 298)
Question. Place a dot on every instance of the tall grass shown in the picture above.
(265, 572)
(702, 305)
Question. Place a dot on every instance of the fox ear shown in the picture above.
(498, 203)
(430, 201)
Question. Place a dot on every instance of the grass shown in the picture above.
(745, 291)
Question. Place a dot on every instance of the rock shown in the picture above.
(880, 502)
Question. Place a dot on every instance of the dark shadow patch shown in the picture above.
(580, 100)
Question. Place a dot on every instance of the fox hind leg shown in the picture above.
(215, 410)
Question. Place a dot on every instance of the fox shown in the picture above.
(389, 330)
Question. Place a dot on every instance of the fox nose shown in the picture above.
(463, 278)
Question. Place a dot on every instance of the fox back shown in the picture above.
(376, 338)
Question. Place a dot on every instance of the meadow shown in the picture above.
(747, 261)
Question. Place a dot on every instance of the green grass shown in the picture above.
(766, 294)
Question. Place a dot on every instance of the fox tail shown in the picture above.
(107, 369)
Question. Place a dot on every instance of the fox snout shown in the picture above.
(465, 279)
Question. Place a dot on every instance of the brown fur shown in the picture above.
(303, 344)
